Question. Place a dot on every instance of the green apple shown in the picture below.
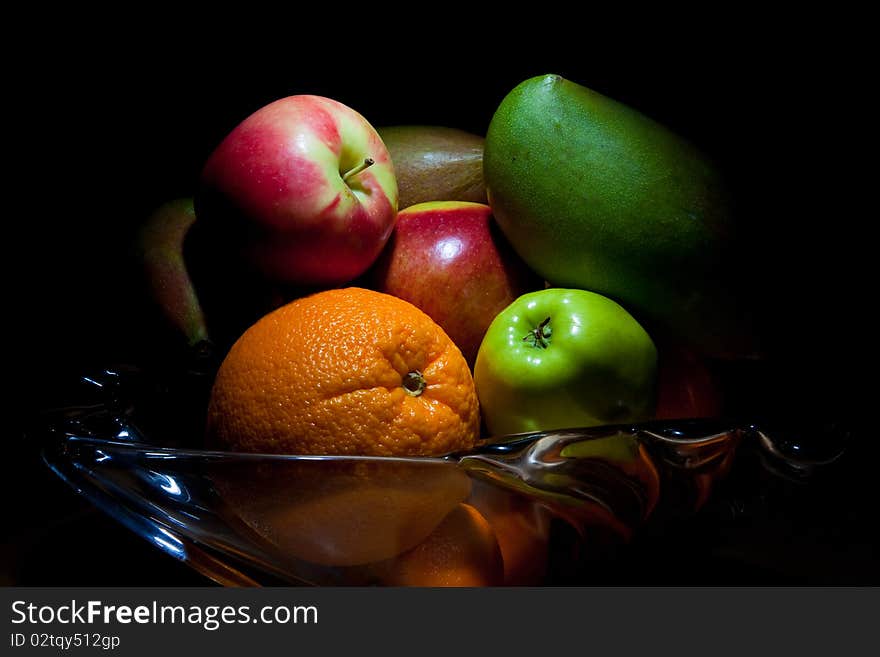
(564, 358)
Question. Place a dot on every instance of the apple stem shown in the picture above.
(540, 336)
(368, 162)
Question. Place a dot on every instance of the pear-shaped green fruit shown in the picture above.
(596, 196)
(435, 163)
(160, 247)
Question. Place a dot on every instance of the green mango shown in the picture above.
(435, 163)
(594, 195)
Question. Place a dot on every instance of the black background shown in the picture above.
(110, 127)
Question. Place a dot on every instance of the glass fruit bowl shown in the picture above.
(548, 508)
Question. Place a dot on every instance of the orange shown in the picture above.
(348, 371)
(340, 512)
(461, 551)
(522, 528)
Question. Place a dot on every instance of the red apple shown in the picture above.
(305, 189)
(686, 386)
(449, 259)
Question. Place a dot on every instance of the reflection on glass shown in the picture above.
(514, 511)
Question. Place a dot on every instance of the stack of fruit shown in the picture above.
(411, 289)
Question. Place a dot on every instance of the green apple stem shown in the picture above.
(367, 163)
(540, 336)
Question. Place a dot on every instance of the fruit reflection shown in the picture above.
(521, 526)
(462, 550)
(341, 512)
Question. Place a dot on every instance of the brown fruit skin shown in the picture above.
(160, 248)
(435, 163)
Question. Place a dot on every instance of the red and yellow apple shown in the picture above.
(449, 259)
(305, 189)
